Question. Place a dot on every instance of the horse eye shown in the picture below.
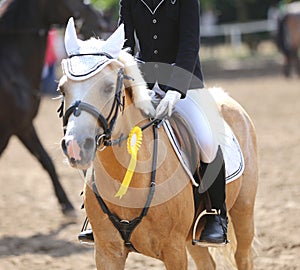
(108, 89)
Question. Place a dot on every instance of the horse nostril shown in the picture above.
(89, 144)
(72, 161)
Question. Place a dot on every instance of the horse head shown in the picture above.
(93, 91)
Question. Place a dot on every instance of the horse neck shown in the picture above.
(115, 159)
(130, 117)
(112, 163)
(25, 37)
(21, 16)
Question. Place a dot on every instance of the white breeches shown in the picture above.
(201, 126)
(200, 111)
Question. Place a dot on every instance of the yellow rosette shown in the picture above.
(134, 142)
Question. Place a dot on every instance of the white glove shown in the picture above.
(165, 107)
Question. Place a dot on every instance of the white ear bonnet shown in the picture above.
(87, 58)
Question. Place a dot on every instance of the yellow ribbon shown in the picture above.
(134, 142)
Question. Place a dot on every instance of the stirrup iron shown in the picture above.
(204, 244)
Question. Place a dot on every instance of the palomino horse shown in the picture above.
(155, 214)
(288, 37)
(24, 27)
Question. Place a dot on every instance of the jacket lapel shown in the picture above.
(149, 5)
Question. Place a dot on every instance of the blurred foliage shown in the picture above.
(105, 4)
(111, 7)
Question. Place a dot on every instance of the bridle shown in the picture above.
(106, 123)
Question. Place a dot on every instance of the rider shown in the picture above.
(166, 33)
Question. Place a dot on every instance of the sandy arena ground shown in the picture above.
(34, 234)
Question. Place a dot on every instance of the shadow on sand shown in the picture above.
(40, 244)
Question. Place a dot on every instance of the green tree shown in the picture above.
(105, 4)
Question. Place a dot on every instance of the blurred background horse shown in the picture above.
(288, 37)
(24, 27)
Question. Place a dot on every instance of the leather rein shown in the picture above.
(125, 227)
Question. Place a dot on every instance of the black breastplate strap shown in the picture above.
(126, 227)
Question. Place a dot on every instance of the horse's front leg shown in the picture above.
(107, 257)
(201, 257)
(175, 257)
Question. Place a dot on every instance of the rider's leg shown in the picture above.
(215, 230)
(206, 124)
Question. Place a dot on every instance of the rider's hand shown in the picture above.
(165, 107)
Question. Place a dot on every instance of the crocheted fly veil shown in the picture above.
(87, 58)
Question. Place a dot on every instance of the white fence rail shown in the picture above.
(235, 30)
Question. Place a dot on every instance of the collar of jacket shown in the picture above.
(152, 11)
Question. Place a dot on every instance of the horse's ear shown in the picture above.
(71, 41)
(115, 42)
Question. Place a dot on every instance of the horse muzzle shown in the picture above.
(80, 153)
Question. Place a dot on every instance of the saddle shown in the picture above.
(188, 152)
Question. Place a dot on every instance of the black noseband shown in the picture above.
(79, 106)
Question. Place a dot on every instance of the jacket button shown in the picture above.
(154, 21)
(155, 37)
(155, 52)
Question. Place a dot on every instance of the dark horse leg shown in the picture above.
(293, 62)
(3, 141)
(297, 63)
(32, 142)
(287, 68)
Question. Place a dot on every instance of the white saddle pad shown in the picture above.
(233, 157)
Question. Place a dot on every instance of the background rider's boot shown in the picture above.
(86, 236)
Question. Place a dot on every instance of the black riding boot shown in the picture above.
(215, 230)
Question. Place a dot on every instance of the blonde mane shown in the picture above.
(140, 92)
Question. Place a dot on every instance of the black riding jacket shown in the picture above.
(166, 31)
